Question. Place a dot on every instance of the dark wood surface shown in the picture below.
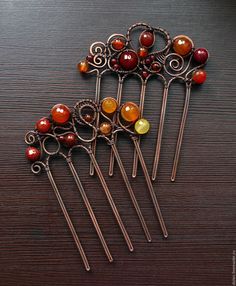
(40, 44)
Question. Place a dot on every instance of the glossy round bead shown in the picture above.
(182, 45)
(199, 76)
(156, 67)
(142, 126)
(118, 44)
(113, 61)
(60, 113)
(200, 55)
(142, 52)
(89, 58)
(83, 66)
(128, 60)
(148, 61)
(144, 74)
(130, 112)
(109, 105)
(43, 125)
(116, 67)
(70, 140)
(146, 39)
(105, 128)
(88, 117)
(32, 154)
(61, 139)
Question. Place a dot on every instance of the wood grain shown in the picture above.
(40, 44)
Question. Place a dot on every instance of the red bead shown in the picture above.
(148, 61)
(156, 67)
(142, 52)
(61, 138)
(144, 74)
(128, 60)
(118, 44)
(32, 154)
(89, 58)
(70, 140)
(200, 55)
(43, 125)
(152, 58)
(146, 39)
(182, 45)
(199, 76)
(113, 61)
(60, 113)
(116, 67)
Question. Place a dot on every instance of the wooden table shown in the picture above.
(40, 44)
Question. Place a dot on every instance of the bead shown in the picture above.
(88, 117)
(83, 66)
(32, 154)
(152, 57)
(109, 105)
(182, 45)
(116, 67)
(89, 58)
(128, 60)
(200, 55)
(142, 126)
(144, 74)
(43, 125)
(60, 113)
(142, 52)
(146, 39)
(105, 128)
(113, 61)
(70, 140)
(130, 112)
(156, 67)
(118, 44)
(61, 139)
(199, 76)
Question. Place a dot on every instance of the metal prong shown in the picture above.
(160, 132)
(141, 107)
(89, 208)
(131, 192)
(97, 99)
(111, 202)
(150, 188)
(68, 220)
(181, 132)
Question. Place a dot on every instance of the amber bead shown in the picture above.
(83, 66)
(43, 125)
(88, 117)
(199, 76)
(105, 128)
(200, 55)
(109, 105)
(146, 39)
(142, 52)
(118, 44)
(32, 154)
(70, 140)
(182, 45)
(128, 60)
(60, 113)
(130, 112)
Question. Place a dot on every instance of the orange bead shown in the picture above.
(130, 112)
(109, 105)
(60, 113)
(118, 44)
(83, 66)
(182, 45)
(105, 128)
(142, 52)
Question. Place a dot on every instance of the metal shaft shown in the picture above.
(68, 220)
(181, 132)
(150, 188)
(89, 208)
(111, 202)
(131, 192)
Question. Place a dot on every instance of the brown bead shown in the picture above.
(105, 128)
(182, 45)
(83, 66)
(88, 117)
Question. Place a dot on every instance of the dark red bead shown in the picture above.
(43, 125)
(199, 76)
(113, 61)
(152, 58)
(116, 67)
(146, 39)
(144, 74)
(89, 58)
(128, 60)
(156, 67)
(200, 55)
(61, 139)
(118, 44)
(148, 61)
(70, 140)
(32, 154)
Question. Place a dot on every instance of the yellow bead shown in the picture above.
(130, 112)
(142, 126)
(109, 105)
